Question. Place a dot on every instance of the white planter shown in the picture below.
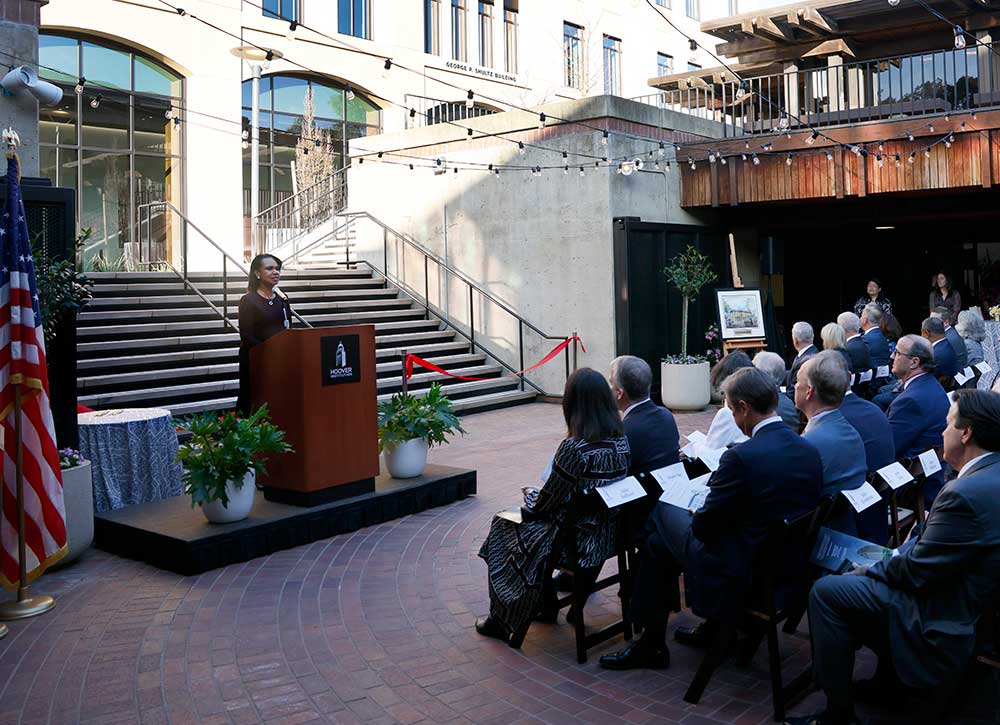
(685, 387)
(78, 498)
(240, 502)
(408, 459)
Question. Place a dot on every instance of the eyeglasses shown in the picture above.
(898, 352)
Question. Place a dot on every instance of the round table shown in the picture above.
(133, 452)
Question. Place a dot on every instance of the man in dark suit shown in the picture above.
(872, 337)
(652, 435)
(945, 361)
(918, 610)
(802, 341)
(880, 450)
(856, 350)
(917, 415)
(956, 341)
(772, 476)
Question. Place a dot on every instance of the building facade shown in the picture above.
(163, 111)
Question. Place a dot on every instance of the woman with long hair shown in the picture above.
(942, 295)
(264, 312)
(723, 431)
(522, 550)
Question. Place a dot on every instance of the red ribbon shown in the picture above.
(412, 360)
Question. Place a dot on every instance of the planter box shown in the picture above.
(78, 497)
(685, 387)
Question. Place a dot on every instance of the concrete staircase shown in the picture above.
(146, 341)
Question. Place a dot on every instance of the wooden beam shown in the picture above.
(985, 158)
(765, 27)
(812, 18)
(778, 54)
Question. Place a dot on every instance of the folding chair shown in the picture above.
(761, 607)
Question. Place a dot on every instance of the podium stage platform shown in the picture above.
(171, 535)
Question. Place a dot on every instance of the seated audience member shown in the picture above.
(802, 341)
(954, 339)
(855, 346)
(723, 431)
(773, 366)
(945, 363)
(871, 424)
(653, 440)
(892, 330)
(818, 394)
(917, 414)
(775, 475)
(520, 556)
(918, 611)
(833, 338)
(972, 330)
(872, 337)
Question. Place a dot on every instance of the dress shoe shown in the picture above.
(638, 655)
(563, 581)
(701, 635)
(489, 627)
(824, 718)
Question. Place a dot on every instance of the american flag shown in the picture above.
(22, 363)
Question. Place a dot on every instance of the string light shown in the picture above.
(912, 157)
(96, 101)
(947, 142)
(469, 102)
(349, 93)
(169, 113)
(743, 156)
(660, 151)
(722, 160)
(541, 121)
(893, 3)
(959, 37)
(388, 64)
(468, 136)
(711, 156)
(898, 161)
(788, 160)
(878, 159)
(767, 146)
(909, 136)
(79, 85)
(411, 167)
(741, 92)
(565, 171)
(582, 173)
(930, 127)
(413, 113)
(927, 153)
(756, 160)
(520, 147)
(604, 138)
(693, 45)
(812, 138)
(829, 156)
(292, 27)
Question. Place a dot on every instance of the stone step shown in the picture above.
(198, 277)
(176, 287)
(136, 315)
(102, 304)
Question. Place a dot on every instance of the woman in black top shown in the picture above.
(873, 296)
(264, 312)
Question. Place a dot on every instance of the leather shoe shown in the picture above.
(638, 656)
(701, 635)
(489, 627)
(563, 581)
(823, 718)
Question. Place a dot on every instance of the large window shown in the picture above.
(458, 34)
(573, 53)
(733, 7)
(432, 27)
(355, 18)
(612, 66)
(286, 102)
(510, 35)
(691, 7)
(664, 65)
(283, 9)
(693, 66)
(116, 144)
(486, 34)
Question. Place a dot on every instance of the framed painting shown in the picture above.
(741, 314)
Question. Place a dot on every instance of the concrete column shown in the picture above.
(791, 83)
(989, 64)
(855, 87)
(19, 21)
(835, 82)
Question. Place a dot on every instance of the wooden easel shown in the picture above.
(754, 343)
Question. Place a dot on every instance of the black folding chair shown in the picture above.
(902, 520)
(761, 608)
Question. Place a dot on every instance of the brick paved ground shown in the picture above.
(374, 626)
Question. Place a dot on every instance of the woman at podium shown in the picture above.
(264, 312)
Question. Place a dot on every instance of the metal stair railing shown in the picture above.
(150, 248)
(570, 353)
(289, 220)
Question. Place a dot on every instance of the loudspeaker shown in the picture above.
(24, 78)
(772, 256)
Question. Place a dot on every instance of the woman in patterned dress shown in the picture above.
(522, 550)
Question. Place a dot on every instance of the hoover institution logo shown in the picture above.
(340, 359)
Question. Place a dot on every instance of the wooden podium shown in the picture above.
(319, 386)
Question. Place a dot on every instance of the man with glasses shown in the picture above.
(918, 414)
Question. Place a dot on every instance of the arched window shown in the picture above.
(283, 100)
(113, 143)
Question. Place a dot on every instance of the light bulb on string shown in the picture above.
(812, 138)
(743, 156)
(469, 100)
(692, 44)
(660, 151)
(741, 91)
(95, 102)
(711, 156)
(169, 113)
(177, 121)
(909, 136)
(269, 56)
(959, 37)
(878, 160)
(639, 164)
(411, 167)
(788, 160)
(468, 136)
(912, 157)
(541, 121)
(349, 93)
(893, 3)
(290, 34)
(930, 127)
(927, 152)
(829, 156)
(582, 173)
(413, 113)
(756, 160)
(898, 161)
(746, 144)
(455, 169)
(947, 142)
(694, 166)
(565, 171)
(520, 147)
(496, 174)
(79, 85)
(722, 160)
(604, 138)
(880, 146)
(666, 166)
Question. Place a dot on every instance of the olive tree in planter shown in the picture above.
(222, 459)
(408, 426)
(684, 381)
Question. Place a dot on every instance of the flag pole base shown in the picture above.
(26, 607)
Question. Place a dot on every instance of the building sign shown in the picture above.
(340, 359)
(475, 70)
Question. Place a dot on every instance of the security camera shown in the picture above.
(24, 78)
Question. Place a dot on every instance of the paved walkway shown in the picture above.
(374, 626)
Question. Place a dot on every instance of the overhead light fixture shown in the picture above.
(692, 44)
(469, 100)
(292, 27)
(812, 138)
(959, 37)
(95, 102)
(883, 228)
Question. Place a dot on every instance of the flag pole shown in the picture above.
(25, 606)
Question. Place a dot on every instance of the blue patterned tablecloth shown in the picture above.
(990, 345)
(134, 456)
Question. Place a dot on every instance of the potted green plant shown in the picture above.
(78, 499)
(684, 379)
(222, 458)
(408, 426)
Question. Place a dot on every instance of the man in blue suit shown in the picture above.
(917, 415)
(802, 341)
(775, 475)
(956, 341)
(918, 610)
(945, 361)
(880, 450)
(651, 431)
(872, 337)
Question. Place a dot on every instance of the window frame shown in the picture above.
(612, 80)
(353, 21)
(459, 32)
(693, 6)
(485, 25)
(659, 65)
(510, 36)
(573, 43)
(432, 27)
(294, 16)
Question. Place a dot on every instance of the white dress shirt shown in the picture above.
(766, 421)
(968, 465)
(634, 405)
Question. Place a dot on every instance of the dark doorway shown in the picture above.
(647, 307)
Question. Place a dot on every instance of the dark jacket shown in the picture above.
(873, 427)
(840, 449)
(858, 350)
(878, 347)
(958, 345)
(793, 372)
(945, 361)
(652, 436)
(917, 417)
(774, 475)
(789, 413)
(943, 581)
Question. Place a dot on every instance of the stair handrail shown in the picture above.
(145, 211)
(473, 286)
(288, 213)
